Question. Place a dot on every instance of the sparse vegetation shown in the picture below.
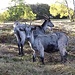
(13, 64)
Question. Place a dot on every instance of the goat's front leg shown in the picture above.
(22, 44)
(19, 48)
(22, 53)
(23, 38)
(34, 53)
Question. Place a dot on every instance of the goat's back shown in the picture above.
(52, 39)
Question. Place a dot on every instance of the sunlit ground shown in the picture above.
(13, 64)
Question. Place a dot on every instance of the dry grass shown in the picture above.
(13, 64)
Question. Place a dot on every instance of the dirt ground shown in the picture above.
(13, 64)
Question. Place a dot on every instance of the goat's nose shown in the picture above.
(53, 26)
(28, 37)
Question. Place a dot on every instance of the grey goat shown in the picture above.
(21, 35)
(47, 42)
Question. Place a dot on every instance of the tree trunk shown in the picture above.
(74, 11)
(68, 10)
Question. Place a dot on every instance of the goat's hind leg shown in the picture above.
(23, 38)
(22, 53)
(63, 54)
(62, 48)
(64, 57)
(19, 48)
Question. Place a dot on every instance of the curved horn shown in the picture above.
(46, 16)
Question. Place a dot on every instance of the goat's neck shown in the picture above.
(44, 25)
(32, 38)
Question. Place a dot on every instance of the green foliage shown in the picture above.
(17, 1)
(4, 16)
(15, 12)
(40, 9)
(59, 9)
(28, 14)
(19, 11)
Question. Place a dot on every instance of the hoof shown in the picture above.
(63, 59)
(19, 53)
(42, 60)
(43, 63)
(34, 60)
(22, 54)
